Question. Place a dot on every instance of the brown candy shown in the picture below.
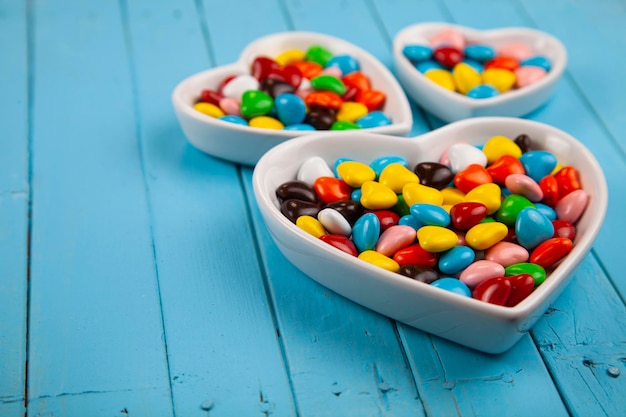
(434, 174)
(292, 209)
(297, 190)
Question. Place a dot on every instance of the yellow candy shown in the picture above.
(351, 111)
(441, 77)
(465, 77)
(485, 235)
(556, 169)
(502, 79)
(488, 194)
(265, 122)
(418, 193)
(290, 56)
(311, 225)
(209, 109)
(498, 146)
(355, 173)
(396, 176)
(379, 260)
(447, 207)
(452, 196)
(375, 196)
(436, 238)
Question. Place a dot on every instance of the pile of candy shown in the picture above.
(474, 69)
(487, 222)
(298, 90)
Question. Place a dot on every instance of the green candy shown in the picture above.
(343, 125)
(537, 271)
(488, 219)
(511, 207)
(401, 207)
(256, 103)
(318, 54)
(328, 83)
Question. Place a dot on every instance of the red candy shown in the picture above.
(387, 218)
(448, 56)
(564, 229)
(551, 251)
(340, 242)
(415, 255)
(471, 177)
(550, 189)
(521, 287)
(210, 96)
(331, 189)
(494, 291)
(262, 66)
(465, 215)
(567, 180)
(503, 167)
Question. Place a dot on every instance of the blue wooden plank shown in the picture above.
(222, 344)
(95, 318)
(13, 206)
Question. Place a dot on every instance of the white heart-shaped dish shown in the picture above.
(244, 144)
(476, 324)
(451, 106)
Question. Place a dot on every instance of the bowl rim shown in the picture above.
(522, 310)
(558, 65)
(404, 116)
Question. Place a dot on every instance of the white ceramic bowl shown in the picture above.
(476, 324)
(245, 145)
(451, 106)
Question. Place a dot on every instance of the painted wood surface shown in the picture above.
(155, 288)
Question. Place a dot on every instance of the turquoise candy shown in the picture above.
(411, 221)
(538, 61)
(430, 214)
(480, 53)
(300, 126)
(290, 109)
(452, 285)
(428, 65)
(546, 211)
(356, 195)
(234, 119)
(373, 119)
(483, 91)
(346, 63)
(380, 163)
(366, 231)
(532, 228)
(456, 259)
(474, 64)
(417, 53)
(538, 164)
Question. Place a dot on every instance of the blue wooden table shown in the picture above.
(138, 279)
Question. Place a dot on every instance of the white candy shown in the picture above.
(461, 155)
(312, 169)
(334, 222)
(239, 85)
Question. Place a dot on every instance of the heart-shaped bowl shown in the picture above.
(244, 144)
(470, 322)
(451, 106)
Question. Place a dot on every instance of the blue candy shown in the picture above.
(546, 211)
(480, 53)
(430, 214)
(428, 65)
(474, 64)
(356, 195)
(290, 109)
(234, 119)
(452, 285)
(379, 164)
(345, 63)
(373, 119)
(411, 221)
(456, 259)
(417, 53)
(532, 228)
(365, 232)
(299, 126)
(538, 61)
(538, 164)
(483, 91)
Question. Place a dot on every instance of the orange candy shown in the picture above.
(504, 62)
(357, 80)
(372, 99)
(324, 99)
(308, 69)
